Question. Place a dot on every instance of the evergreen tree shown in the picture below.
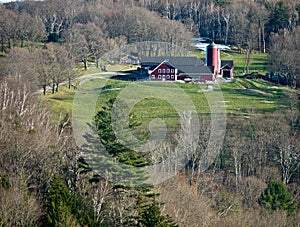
(277, 197)
(64, 208)
(4, 182)
(298, 11)
(113, 146)
(146, 211)
(279, 18)
(152, 217)
(60, 202)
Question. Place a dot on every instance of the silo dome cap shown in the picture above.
(212, 44)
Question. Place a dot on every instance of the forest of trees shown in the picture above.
(88, 29)
(45, 182)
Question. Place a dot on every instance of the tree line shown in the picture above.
(242, 23)
(57, 35)
(88, 29)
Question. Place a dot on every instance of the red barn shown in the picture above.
(164, 71)
(227, 69)
(177, 68)
(188, 68)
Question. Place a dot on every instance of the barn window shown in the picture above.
(172, 70)
(168, 77)
(153, 76)
(163, 70)
(159, 70)
(159, 76)
(172, 76)
(168, 70)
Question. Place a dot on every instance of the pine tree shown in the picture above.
(58, 210)
(152, 217)
(64, 208)
(279, 18)
(277, 197)
(4, 182)
(113, 146)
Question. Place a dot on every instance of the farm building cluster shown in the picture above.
(188, 69)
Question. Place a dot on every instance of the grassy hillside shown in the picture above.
(240, 97)
(258, 62)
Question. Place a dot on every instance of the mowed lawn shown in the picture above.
(258, 62)
(241, 96)
(244, 96)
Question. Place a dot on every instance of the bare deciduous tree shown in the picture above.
(33, 149)
(283, 56)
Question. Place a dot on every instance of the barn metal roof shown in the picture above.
(178, 61)
(197, 69)
(186, 65)
(227, 62)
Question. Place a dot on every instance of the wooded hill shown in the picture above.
(86, 30)
(44, 180)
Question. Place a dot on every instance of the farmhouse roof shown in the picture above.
(178, 61)
(165, 62)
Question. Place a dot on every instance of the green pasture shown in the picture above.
(245, 96)
(240, 97)
(90, 70)
(258, 61)
(62, 102)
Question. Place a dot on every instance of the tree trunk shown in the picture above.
(236, 170)
(2, 44)
(226, 19)
(294, 82)
(97, 63)
(44, 89)
(56, 89)
(219, 24)
(259, 39)
(53, 87)
(85, 64)
(263, 39)
(69, 79)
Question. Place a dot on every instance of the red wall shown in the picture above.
(163, 73)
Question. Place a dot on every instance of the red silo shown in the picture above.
(213, 57)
